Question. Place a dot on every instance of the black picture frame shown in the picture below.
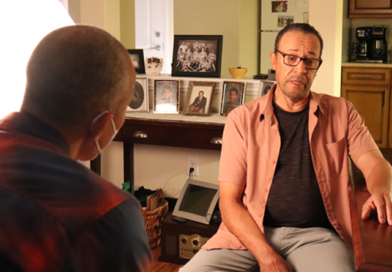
(137, 57)
(207, 63)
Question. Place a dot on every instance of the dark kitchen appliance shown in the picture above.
(371, 44)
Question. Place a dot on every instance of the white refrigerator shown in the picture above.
(274, 16)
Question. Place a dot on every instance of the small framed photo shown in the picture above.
(197, 55)
(279, 6)
(137, 58)
(285, 20)
(232, 96)
(198, 98)
(265, 87)
(167, 96)
(139, 100)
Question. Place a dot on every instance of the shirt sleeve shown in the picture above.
(359, 138)
(116, 242)
(233, 161)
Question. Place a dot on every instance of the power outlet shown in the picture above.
(193, 162)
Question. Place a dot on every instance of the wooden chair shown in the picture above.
(372, 241)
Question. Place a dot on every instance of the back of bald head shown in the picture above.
(76, 71)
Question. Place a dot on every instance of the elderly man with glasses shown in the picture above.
(284, 173)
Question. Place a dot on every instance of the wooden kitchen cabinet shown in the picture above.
(370, 9)
(369, 90)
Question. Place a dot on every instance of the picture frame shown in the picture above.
(285, 20)
(199, 98)
(197, 55)
(279, 6)
(166, 97)
(139, 100)
(265, 87)
(137, 58)
(233, 95)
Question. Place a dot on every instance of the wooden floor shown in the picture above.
(158, 266)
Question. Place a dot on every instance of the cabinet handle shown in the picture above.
(363, 76)
(216, 140)
(384, 98)
(140, 134)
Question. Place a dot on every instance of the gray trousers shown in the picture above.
(304, 249)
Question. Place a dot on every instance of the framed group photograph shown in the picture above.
(137, 58)
(139, 100)
(197, 55)
(265, 87)
(232, 96)
(167, 96)
(198, 98)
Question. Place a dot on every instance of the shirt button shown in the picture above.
(266, 190)
(273, 162)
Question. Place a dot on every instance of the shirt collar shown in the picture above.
(27, 124)
(267, 110)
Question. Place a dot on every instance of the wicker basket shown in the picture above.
(152, 223)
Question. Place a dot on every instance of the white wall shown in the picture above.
(327, 18)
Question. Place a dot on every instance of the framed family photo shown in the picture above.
(265, 87)
(198, 98)
(137, 58)
(232, 96)
(139, 100)
(279, 6)
(197, 55)
(167, 96)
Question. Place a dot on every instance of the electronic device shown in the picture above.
(260, 76)
(189, 245)
(271, 74)
(181, 241)
(197, 201)
(371, 44)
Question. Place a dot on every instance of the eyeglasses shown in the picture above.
(293, 61)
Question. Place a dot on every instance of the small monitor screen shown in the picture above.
(197, 199)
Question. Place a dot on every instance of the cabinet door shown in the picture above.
(370, 9)
(372, 103)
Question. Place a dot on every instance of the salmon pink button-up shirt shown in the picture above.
(251, 144)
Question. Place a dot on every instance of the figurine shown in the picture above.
(154, 65)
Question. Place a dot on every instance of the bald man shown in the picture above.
(56, 214)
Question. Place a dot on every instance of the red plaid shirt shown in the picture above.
(55, 214)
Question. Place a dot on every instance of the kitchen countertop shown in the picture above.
(364, 64)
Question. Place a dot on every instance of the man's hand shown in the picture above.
(378, 175)
(273, 262)
(380, 201)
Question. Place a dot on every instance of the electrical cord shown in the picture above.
(191, 171)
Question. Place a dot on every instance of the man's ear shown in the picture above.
(273, 60)
(99, 123)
